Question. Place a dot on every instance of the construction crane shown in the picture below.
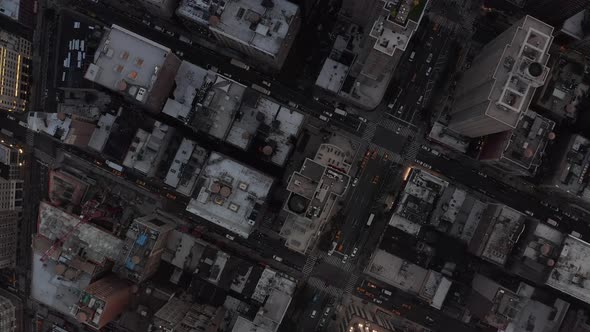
(90, 211)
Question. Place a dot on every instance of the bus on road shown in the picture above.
(371, 217)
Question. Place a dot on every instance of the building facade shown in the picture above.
(496, 91)
(11, 200)
(15, 60)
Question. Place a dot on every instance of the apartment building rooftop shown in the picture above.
(266, 127)
(521, 69)
(132, 65)
(570, 175)
(186, 167)
(262, 24)
(146, 149)
(571, 271)
(522, 148)
(498, 231)
(230, 194)
(417, 200)
(101, 134)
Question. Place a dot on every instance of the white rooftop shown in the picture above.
(396, 271)
(50, 123)
(125, 60)
(189, 79)
(571, 273)
(102, 132)
(143, 154)
(388, 40)
(229, 192)
(249, 22)
(51, 289)
(10, 8)
(183, 155)
(186, 167)
(332, 75)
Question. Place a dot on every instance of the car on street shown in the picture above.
(375, 179)
(377, 301)
(344, 259)
(229, 237)
(429, 59)
(277, 258)
(158, 28)
(170, 33)
(266, 83)
(293, 104)
(386, 292)
(313, 314)
(429, 42)
(425, 148)
(530, 213)
(355, 182)
(362, 119)
(412, 56)
(428, 71)
(146, 22)
(482, 174)
(323, 118)
(420, 100)
(354, 252)
(10, 117)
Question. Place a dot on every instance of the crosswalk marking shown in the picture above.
(351, 283)
(309, 264)
(321, 285)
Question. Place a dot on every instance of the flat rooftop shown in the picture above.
(146, 150)
(570, 175)
(397, 272)
(189, 82)
(571, 271)
(101, 134)
(229, 193)
(268, 122)
(199, 11)
(332, 75)
(514, 84)
(186, 167)
(499, 230)
(98, 245)
(417, 200)
(10, 8)
(260, 24)
(127, 62)
(217, 102)
(525, 145)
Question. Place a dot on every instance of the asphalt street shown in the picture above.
(359, 204)
(417, 74)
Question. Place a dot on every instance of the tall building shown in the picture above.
(102, 301)
(134, 66)
(519, 151)
(11, 200)
(142, 252)
(494, 94)
(262, 30)
(15, 59)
